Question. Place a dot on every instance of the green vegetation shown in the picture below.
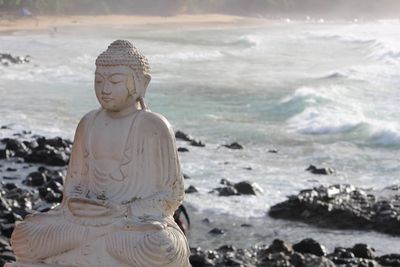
(172, 7)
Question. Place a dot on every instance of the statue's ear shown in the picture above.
(147, 79)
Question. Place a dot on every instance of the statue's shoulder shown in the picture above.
(151, 122)
(86, 120)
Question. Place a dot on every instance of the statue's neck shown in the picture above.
(122, 113)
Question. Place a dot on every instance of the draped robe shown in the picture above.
(128, 209)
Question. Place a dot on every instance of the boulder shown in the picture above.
(310, 246)
(248, 188)
(323, 171)
(341, 207)
(363, 251)
(191, 189)
(234, 145)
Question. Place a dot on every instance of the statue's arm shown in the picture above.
(161, 158)
(74, 184)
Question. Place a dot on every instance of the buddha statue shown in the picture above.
(122, 186)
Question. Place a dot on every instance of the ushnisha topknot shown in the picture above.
(122, 52)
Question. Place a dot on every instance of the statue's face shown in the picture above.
(111, 87)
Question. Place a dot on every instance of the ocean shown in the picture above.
(320, 92)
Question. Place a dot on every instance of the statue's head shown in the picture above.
(122, 76)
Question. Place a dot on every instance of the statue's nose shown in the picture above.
(106, 89)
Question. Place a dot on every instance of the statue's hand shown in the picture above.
(91, 208)
(140, 226)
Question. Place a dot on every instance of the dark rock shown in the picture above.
(343, 253)
(234, 145)
(183, 149)
(323, 171)
(52, 197)
(226, 191)
(200, 260)
(31, 144)
(311, 246)
(9, 169)
(246, 225)
(197, 143)
(273, 150)
(363, 251)
(9, 186)
(279, 246)
(191, 189)
(5, 154)
(36, 179)
(224, 181)
(183, 136)
(247, 188)
(55, 186)
(216, 231)
(47, 155)
(56, 142)
(185, 176)
(389, 260)
(18, 147)
(7, 229)
(341, 207)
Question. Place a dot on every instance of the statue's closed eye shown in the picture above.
(117, 78)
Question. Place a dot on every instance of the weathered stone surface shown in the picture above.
(343, 207)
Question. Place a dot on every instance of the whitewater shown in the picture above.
(326, 94)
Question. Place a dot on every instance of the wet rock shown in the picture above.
(310, 246)
(183, 136)
(363, 251)
(224, 181)
(341, 207)
(279, 246)
(9, 169)
(323, 171)
(8, 59)
(48, 156)
(273, 151)
(32, 144)
(188, 138)
(389, 260)
(183, 149)
(191, 189)
(36, 179)
(234, 145)
(248, 188)
(197, 143)
(216, 231)
(226, 191)
(5, 153)
(15, 145)
(198, 258)
(185, 176)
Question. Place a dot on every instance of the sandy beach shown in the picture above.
(49, 22)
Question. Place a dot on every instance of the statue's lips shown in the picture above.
(106, 99)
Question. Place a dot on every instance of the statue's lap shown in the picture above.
(130, 247)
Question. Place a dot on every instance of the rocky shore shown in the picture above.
(344, 207)
(33, 169)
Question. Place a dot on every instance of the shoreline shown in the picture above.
(46, 179)
(50, 22)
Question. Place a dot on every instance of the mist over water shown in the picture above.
(321, 93)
